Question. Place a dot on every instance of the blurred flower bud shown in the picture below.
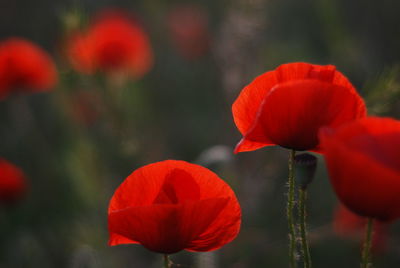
(305, 166)
(12, 183)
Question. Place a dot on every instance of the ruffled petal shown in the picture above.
(293, 112)
(250, 101)
(173, 205)
(179, 186)
(165, 228)
(246, 106)
(156, 227)
(365, 182)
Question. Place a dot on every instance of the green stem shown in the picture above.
(167, 261)
(289, 211)
(303, 229)
(365, 263)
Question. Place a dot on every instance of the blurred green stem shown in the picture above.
(365, 263)
(302, 228)
(167, 261)
(289, 211)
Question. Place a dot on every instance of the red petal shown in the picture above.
(293, 112)
(165, 228)
(178, 187)
(112, 43)
(25, 65)
(248, 104)
(363, 163)
(12, 182)
(181, 183)
(293, 71)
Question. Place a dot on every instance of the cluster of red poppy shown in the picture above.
(112, 43)
(171, 206)
(303, 106)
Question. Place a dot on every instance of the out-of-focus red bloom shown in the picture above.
(12, 183)
(363, 160)
(24, 67)
(188, 27)
(113, 43)
(348, 225)
(173, 205)
(287, 106)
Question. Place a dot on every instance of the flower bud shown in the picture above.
(305, 166)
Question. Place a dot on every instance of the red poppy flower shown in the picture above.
(174, 205)
(347, 225)
(188, 27)
(12, 182)
(112, 43)
(364, 165)
(289, 105)
(24, 67)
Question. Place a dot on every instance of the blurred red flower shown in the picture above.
(348, 225)
(113, 43)
(287, 106)
(12, 183)
(188, 28)
(364, 165)
(174, 205)
(24, 67)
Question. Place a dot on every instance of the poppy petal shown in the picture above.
(363, 172)
(178, 187)
(165, 228)
(199, 209)
(293, 71)
(24, 65)
(248, 105)
(293, 112)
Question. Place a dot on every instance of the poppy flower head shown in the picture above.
(112, 43)
(171, 206)
(289, 105)
(12, 183)
(364, 165)
(24, 67)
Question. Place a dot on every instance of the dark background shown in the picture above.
(180, 109)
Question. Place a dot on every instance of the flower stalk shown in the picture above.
(366, 254)
(305, 167)
(289, 210)
(305, 249)
(167, 261)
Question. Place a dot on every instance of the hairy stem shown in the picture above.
(303, 229)
(289, 211)
(167, 261)
(366, 254)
